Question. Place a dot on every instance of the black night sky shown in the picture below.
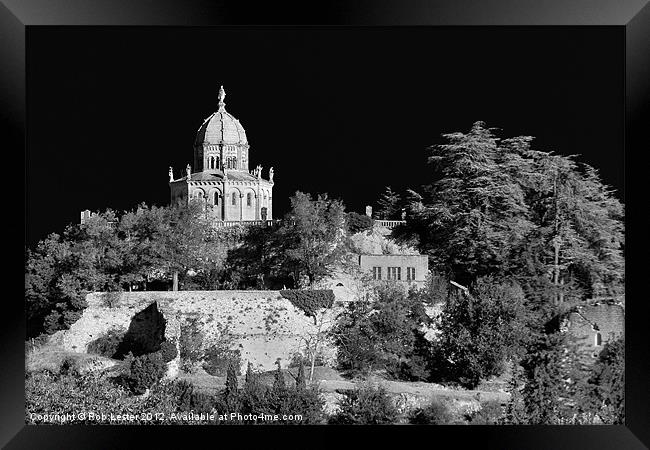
(346, 111)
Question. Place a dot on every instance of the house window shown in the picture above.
(248, 199)
(410, 273)
(234, 199)
(376, 273)
(394, 273)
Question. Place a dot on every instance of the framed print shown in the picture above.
(355, 214)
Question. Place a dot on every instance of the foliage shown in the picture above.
(435, 413)
(69, 366)
(479, 332)
(490, 413)
(366, 405)
(358, 223)
(604, 392)
(111, 254)
(389, 205)
(168, 350)
(550, 384)
(384, 334)
(313, 237)
(231, 393)
(259, 262)
(218, 359)
(48, 393)
(309, 300)
(498, 207)
(107, 344)
(190, 343)
(146, 370)
(301, 383)
(281, 399)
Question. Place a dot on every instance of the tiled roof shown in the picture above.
(221, 128)
(217, 175)
(238, 175)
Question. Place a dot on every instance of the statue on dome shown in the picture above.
(188, 171)
(221, 96)
(171, 174)
(271, 174)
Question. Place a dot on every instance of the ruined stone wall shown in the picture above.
(264, 325)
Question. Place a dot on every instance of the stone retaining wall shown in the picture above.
(263, 324)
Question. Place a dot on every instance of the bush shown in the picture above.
(435, 413)
(386, 334)
(490, 413)
(298, 358)
(218, 358)
(309, 300)
(168, 350)
(69, 366)
(190, 343)
(47, 393)
(358, 223)
(146, 370)
(479, 332)
(107, 344)
(365, 405)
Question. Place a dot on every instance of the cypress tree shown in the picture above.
(301, 384)
(232, 391)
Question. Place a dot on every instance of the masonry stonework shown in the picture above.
(264, 326)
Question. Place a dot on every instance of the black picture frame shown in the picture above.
(18, 16)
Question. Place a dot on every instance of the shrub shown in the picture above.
(107, 344)
(168, 350)
(386, 334)
(490, 413)
(190, 343)
(365, 405)
(308, 403)
(435, 413)
(297, 359)
(479, 332)
(46, 393)
(218, 358)
(358, 223)
(69, 366)
(309, 300)
(146, 370)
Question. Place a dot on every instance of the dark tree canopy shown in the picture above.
(497, 207)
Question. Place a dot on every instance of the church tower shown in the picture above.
(220, 178)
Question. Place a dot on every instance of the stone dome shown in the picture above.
(221, 127)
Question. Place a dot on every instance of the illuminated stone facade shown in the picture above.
(220, 178)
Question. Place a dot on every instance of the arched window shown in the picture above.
(216, 198)
(248, 199)
(234, 199)
(234, 163)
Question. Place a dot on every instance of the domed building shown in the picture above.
(220, 178)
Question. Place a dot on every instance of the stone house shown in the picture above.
(594, 324)
(409, 269)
